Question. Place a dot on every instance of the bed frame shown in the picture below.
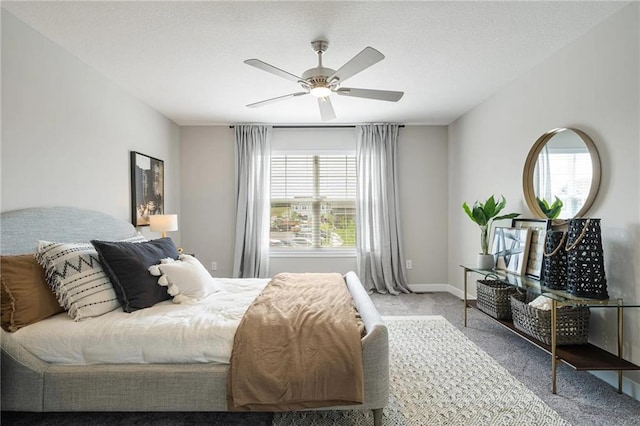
(29, 384)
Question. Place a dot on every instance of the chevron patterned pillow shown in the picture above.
(76, 276)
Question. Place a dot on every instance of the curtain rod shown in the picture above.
(335, 126)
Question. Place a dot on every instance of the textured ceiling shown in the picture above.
(185, 59)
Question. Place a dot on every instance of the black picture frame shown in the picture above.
(538, 229)
(147, 188)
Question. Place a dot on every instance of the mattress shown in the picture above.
(197, 332)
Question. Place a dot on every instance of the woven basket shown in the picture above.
(585, 260)
(554, 265)
(572, 321)
(493, 298)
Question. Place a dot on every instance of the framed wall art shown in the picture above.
(538, 229)
(511, 248)
(147, 188)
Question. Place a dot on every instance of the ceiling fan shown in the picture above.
(321, 82)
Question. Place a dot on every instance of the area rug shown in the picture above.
(440, 377)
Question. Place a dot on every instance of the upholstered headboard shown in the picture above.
(20, 230)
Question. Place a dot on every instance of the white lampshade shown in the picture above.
(163, 223)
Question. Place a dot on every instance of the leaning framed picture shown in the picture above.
(538, 229)
(147, 188)
(511, 248)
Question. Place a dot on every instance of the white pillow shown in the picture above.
(541, 302)
(186, 279)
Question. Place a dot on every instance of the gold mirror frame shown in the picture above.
(530, 164)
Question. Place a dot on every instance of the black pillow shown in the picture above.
(127, 265)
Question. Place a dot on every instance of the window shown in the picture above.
(313, 201)
(571, 170)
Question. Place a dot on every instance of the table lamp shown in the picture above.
(163, 223)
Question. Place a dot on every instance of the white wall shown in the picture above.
(207, 176)
(67, 131)
(424, 213)
(208, 195)
(593, 85)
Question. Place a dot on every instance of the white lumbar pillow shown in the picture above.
(186, 279)
(541, 302)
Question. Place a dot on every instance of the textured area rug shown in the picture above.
(439, 377)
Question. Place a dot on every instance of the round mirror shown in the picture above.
(561, 175)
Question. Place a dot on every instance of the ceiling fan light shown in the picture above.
(320, 92)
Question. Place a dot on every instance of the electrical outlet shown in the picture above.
(214, 266)
(409, 264)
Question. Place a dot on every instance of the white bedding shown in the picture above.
(198, 332)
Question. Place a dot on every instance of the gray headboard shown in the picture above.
(20, 230)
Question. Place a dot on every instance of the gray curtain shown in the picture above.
(380, 258)
(253, 164)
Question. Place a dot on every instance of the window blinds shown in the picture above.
(313, 176)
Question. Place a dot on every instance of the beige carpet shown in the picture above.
(439, 377)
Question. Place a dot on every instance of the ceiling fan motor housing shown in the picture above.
(317, 77)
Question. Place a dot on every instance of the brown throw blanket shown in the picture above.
(297, 346)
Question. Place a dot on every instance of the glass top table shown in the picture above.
(581, 357)
(560, 296)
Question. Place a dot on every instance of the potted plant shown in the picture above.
(484, 214)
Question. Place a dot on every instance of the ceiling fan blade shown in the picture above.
(273, 70)
(363, 60)
(382, 95)
(326, 109)
(279, 98)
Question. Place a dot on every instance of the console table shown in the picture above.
(580, 357)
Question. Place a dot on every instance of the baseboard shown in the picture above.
(435, 288)
(629, 387)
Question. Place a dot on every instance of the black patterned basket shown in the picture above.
(572, 322)
(493, 298)
(585, 260)
(554, 265)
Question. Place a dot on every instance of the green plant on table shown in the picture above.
(484, 214)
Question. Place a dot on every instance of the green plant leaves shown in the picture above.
(477, 213)
(490, 207)
(551, 211)
(507, 216)
(484, 213)
(474, 214)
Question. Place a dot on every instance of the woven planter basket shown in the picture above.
(493, 298)
(572, 321)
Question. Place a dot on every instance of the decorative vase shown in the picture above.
(486, 261)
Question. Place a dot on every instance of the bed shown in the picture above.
(31, 384)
